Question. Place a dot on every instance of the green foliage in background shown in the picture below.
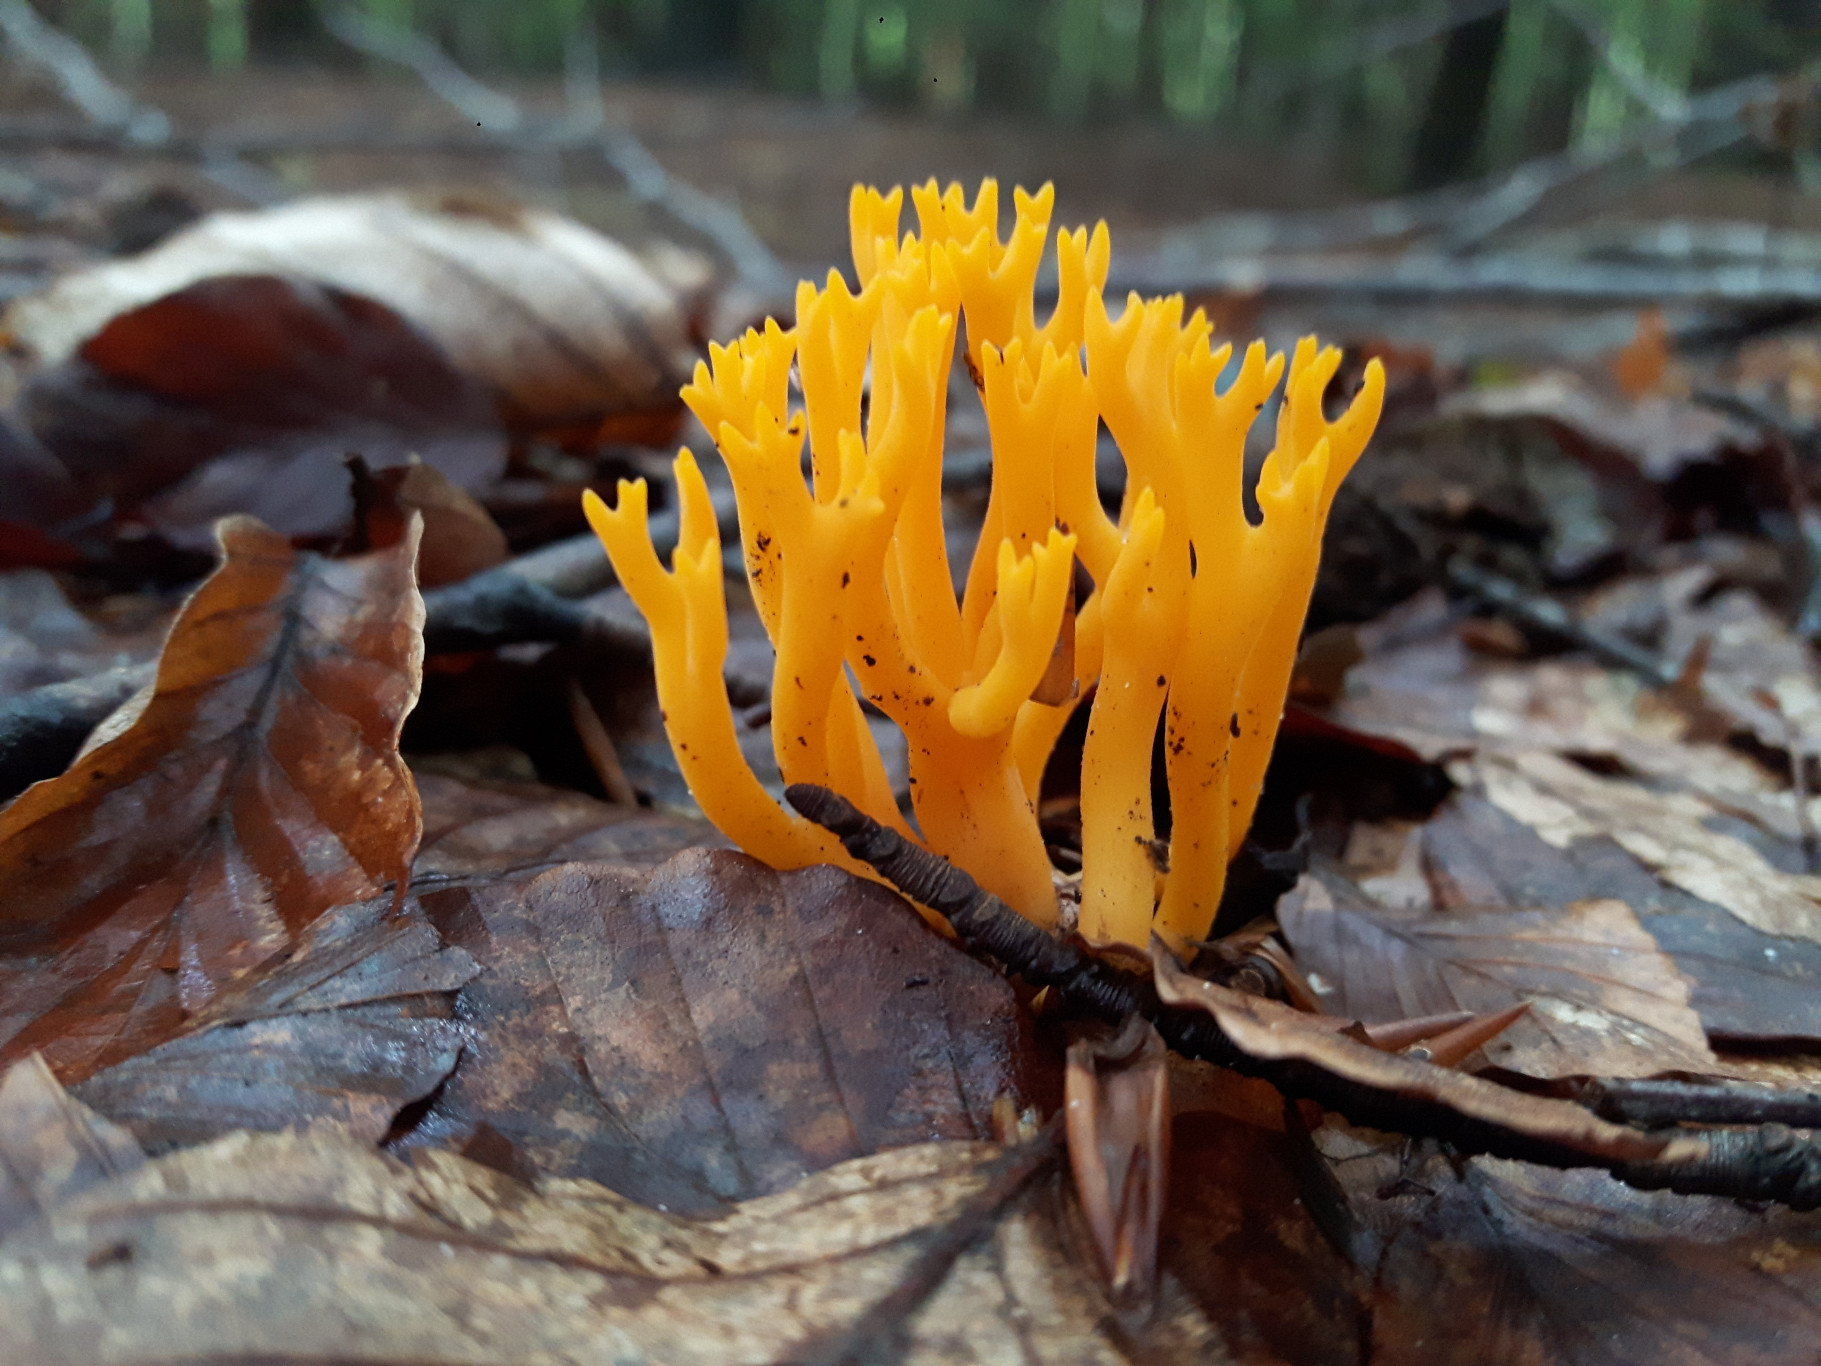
(1366, 75)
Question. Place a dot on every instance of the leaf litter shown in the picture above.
(591, 1077)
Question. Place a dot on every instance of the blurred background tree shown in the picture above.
(1401, 94)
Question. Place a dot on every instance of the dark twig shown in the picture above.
(1653, 1101)
(1548, 615)
(1768, 1163)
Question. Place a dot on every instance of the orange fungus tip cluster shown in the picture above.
(1195, 611)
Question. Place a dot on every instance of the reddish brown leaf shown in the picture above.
(258, 786)
(567, 325)
(1239, 1236)
(460, 536)
(714, 1029)
(1644, 366)
(245, 393)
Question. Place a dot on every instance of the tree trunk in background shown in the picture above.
(1458, 100)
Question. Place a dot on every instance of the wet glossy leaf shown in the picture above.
(354, 1025)
(715, 1030)
(257, 786)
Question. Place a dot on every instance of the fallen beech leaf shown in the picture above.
(1659, 434)
(315, 1246)
(1646, 364)
(1758, 671)
(480, 828)
(1747, 985)
(1573, 1267)
(566, 324)
(1563, 803)
(756, 1026)
(460, 536)
(245, 394)
(354, 1025)
(1605, 1000)
(1420, 685)
(51, 1147)
(714, 1030)
(259, 786)
(1240, 1237)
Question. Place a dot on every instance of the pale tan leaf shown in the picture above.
(1564, 802)
(1604, 998)
(569, 325)
(317, 1247)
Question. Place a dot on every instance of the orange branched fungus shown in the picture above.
(1195, 613)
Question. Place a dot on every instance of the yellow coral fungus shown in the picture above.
(1195, 613)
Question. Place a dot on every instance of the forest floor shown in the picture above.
(372, 989)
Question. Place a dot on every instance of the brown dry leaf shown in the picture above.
(714, 1030)
(1507, 1264)
(480, 828)
(51, 1147)
(1240, 1236)
(460, 536)
(1646, 364)
(1604, 999)
(353, 1026)
(1564, 802)
(567, 325)
(314, 1246)
(257, 786)
(1747, 985)
(1421, 685)
(1659, 434)
(245, 394)
(1758, 671)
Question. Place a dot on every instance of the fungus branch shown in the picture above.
(1195, 611)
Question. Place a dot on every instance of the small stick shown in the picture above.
(1770, 1162)
(598, 745)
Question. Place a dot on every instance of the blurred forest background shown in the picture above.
(1389, 94)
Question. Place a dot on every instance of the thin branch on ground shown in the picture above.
(1769, 1162)
(501, 116)
(114, 112)
(1621, 59)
